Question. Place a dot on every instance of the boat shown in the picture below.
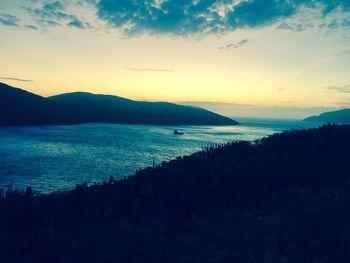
(176, 132)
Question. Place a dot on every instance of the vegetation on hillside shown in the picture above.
(284, 198)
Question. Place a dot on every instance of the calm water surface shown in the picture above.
(55, 158)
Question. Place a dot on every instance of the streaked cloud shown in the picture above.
(150, 69)
(9, 20)
(337, 23)
(295, 27)
(87, 2)
(340, 89)
(54, 13)
(78, 24)
(238, 44)
(32, 27)
(16, 79)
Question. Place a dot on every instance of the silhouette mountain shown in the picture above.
(19, 107)
(340, 117)
(82, 107)
(284, 198)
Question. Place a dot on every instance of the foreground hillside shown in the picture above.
(284, 199)
(340, 117)
(19, 107)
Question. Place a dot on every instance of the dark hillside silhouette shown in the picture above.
(86, 107)
(340, 117)
(284, 198)
(19, 107)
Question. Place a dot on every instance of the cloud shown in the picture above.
(16, 79)
(150, 69)
(285, 26)
(53, 13)
(190, 17)
(52, 10)
(295, 27)
(340, 89)
(78, 24)
(236, 45)
(88, 2)
(49, 23)
(31, 27)
(9, 20)
(338, 23)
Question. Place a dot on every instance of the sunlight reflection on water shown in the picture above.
(58, 157)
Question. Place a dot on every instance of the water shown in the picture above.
(52, 158)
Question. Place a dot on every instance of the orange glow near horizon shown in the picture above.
(273, 68)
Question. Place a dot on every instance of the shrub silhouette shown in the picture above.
(284, 198)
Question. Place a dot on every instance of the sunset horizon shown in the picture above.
(295, 54)
(174, 131)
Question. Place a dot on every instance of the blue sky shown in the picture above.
(264, 53)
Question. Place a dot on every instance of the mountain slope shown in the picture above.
(341, 117)
(19, 107)
(87, 107)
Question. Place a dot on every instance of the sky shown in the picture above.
(280, 58)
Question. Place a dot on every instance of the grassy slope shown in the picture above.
(284, 199)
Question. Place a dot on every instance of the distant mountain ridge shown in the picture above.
(19, 107)
(340, 117)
